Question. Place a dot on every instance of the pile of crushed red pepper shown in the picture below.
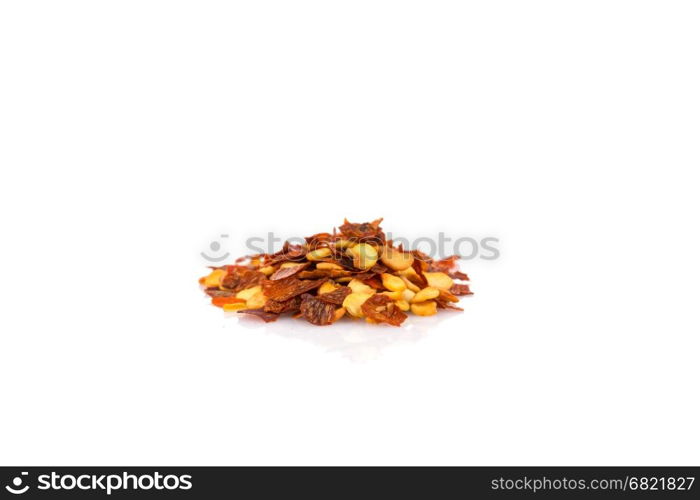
(353, 272)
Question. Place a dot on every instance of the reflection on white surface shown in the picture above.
(355, 340)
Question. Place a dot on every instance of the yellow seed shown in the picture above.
(339, 313)
(410, 284)
(353, 303)
(408, 295)
(439, 280)
(403, 305)
(256, 301)
(393, 295)
(213, 280)
(248, 292)
(318, 254)
(327, 287)
(395, 259)
(428, 293)
(235, 307)
(424, 308)
(329, 265)
(393, 283)
(343, 243)
(267, 270)
(285, 265)
(363, 255)
(409, 271)
(344, 279)
(358, 287)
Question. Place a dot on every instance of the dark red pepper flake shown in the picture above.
(382, 309)
(337, 296)
(317, 311)
(287, 288)
(267, 317)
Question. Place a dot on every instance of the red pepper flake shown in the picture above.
(460, 289)
(221, 301)
(240, 279)
(336, 297)
(286, 272)
(317, 311)
(277, 307)
(382, 309)
(287, 288)
(217, 292)
(267, 317)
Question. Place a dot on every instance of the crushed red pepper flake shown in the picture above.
(382, 309)
(239, 279)
(221, 301)
(353, 271)
(286, 272)
(460, 289)
(267, 317)
(287, 288)
(317, 311)
(336, 297)
(279, 307)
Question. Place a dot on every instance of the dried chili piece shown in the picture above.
(286, 272)
(382, 309)
(287, 288)
(221, 301)
(365, 231)
(317, 311)
(444, 304)
(217, 292)
(267, 317)
(458, 275)
(280, 307)
(240, 279)
(337, 296)
(324, 273)
(443, 265)
(374, 282)
(460, 289)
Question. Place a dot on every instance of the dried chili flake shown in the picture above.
(287, 288)
(221, 301)
(382, 309)
(444, 304)
(458, 275)
(444, 265)
(286, 272)
(217, 292)
(324, 273)
(280, 307)
(237, 279)
(267, 317)
(366, 232)
(317, 311)
(308, 280)
(337, 296)
(460, 289)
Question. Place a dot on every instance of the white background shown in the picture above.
(134, 133)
